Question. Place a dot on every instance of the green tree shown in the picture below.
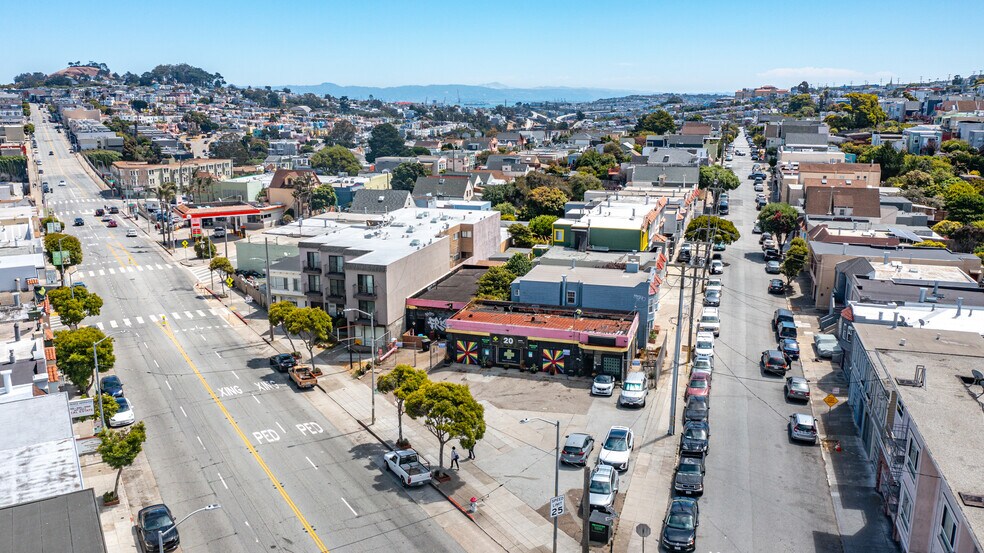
(334, 160)
(795, 259)
(311, 325)
(403, 380)
(323, 197)
(890, 159)
(205, 248)
(74, 351)
(711, 228)
(725, 178)
(519, 264)
(50, 218)
(495, 284)
(657, 122)
(861, 112)
(522, 236)
(119, 448)
(222, 265)
(448, 411)
(929, 244)
(542, 225)
(507, 211)
(965, 207)
(74, 304)
(302, 188)
(58, 241)
(165, 192)
(798, 102)
(593, 163)
(498, 193)
(342, 134)
(780, 219)
(103, 158)
(545, 201)
(405, 175)
(384, 141)
(947, 227)
(580, 183)
(29, 129)
(138, 105)
(278, 315)
(954, 145)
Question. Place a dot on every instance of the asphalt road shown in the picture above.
(762, 492)
(222, 427)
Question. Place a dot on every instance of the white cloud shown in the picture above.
(838, 75)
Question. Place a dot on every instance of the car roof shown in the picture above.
(797, 380)
(787, 323)
(705, 334)
(790, 341)
(692, 460)
(803, 418)
(602, 471)
(710, 310)
(153, 509)
(774, 353)
(578, 438)
(616, 430)
(687, 503)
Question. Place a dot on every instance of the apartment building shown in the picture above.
(142, 177)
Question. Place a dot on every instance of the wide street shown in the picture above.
(222, 426)
(762, 492)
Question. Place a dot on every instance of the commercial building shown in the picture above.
(141, 178)
(555, 340)
(618, 223)
(429, 309)
(66, 523)
(916, 401)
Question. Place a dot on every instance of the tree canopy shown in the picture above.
(522, 236)
(581, 183)
(711, 228)
(795, 259)
(593, 163)
(74, 351)
(74, 304)
(545, 201)
(323, 197)
(311, 325)
(405, 175)
(384, 141)
(495, 284)
(342, 134)
(403, 380)
(448, 411)
(657, 122)
(519, 264)
(780, 219)
(119, 448)
(334, 160)
(61, 241)
(542, 225)
(242, 150)
(726, 178)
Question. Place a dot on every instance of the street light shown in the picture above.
(372, 355)
(556, 467)
(95, 381)
(160, 535)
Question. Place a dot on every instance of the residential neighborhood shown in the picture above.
(479, 318)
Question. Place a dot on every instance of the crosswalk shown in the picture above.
(175, 317)
(123, 269)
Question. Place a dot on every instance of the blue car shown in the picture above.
(111, 385)
(790, 348)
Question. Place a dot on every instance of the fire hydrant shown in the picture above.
(838, 446)
(473, 505)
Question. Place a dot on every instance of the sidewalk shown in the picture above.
(858, 508)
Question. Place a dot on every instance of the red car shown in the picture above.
(699, 386)
(112, 223)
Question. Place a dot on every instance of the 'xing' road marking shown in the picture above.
(281, 428)
(168, 385)
(183, 411)
(223, 481)
(189, 315)
(249, 445)
(201, 442)
(314, 465)
(349, 506)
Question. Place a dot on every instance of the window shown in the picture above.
(571, 297)
(367, 306)
(336, 288)
(296, 284)
(900, 409)
(948, 528)
(314, 283)
(905, 510)
(466, 234)
(454, 236)
(313, 260)
(559, 235)
(912, 458)
(366, 284)
(336, 264)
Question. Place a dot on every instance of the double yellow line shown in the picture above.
(249, 445)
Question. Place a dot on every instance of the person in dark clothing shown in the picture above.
(454, 458)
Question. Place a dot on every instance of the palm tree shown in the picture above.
(303, 186)
(165, 193)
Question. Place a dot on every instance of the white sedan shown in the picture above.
(617, 448)
(124, 416)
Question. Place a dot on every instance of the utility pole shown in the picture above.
(586, 513)
(676, 352)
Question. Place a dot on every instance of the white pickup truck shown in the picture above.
(405, 464)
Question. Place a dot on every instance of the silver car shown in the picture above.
(617, 448)
(635, 388)
(577, 449)
(803, 428)
(603, 385)
(602, 488)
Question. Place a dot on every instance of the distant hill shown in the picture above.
(491, 94)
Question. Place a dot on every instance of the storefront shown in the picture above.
(553, 340)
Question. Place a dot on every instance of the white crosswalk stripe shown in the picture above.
(150, 267)
(102, 272)
(212, 311)
(92, 273)
(113, 324)
(189, 315)
(100, 326)
(200, 312)
(159, 268)
(176, 316)
(127, 322)
(140, 320)
(112, 271)
(140, 268)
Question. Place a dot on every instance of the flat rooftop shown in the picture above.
(945, 411)
(459, 287)
(67, 523)
(933, 316)
(899, 271)
(586, 275)
(527, 316)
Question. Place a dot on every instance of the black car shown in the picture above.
(100, 212)
(777, 286)
(695, 436)
(712, 298)
(686, 250)
(774, 361)
(696, 410)
(79, 222)
(781, 315)
(282, 362)
(689, 478)
(114, 209)
(680, 525)
(111, 385)
(773, 254)
(790, 348)
(152, 521)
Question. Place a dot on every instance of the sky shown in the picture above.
(646, 46)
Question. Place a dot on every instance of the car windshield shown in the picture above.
(681, 521)
(689, 468)
(600, 486)
(617, 442)
(698, 383)
(704, 344)
(572, 449)
(603, 379)
(158, 521)
(632, 386)
(123, 403)
(696, 433)
(709, 319)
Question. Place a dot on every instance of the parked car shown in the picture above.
(772, 267)
(111, 385)
(51, 153)
(131, 233)
(765, 236)
(61, 182)
(713, 283)
(785, 329)
(686, 250)
(777, 286)
(282, 362)
(696, 435)
(710, 320)
(773, 361)
(704, 347)
(79, 222)
(124, 416)
(680, 525)
(758, 187)
(113, 209)
(699, 385)
(617, 448)
(603, 385)
(790, 348)
(826, 345)
(689, 477)
(781, 315)
(803, 427)
(406, 465)
(602, 488)
(717, 267)
(757, 228)
(152, 521)
(702, 364)
(635, 389)
(770, 243)
(719, 246)
(696, 409)
(712, 298)
(577, 449)
(797, 387)
(773, 254)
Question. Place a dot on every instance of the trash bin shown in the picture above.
(600, 529)
(425, 344)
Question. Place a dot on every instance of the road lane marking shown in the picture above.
(92, 273)
(166, 381)
(100, 326)
(182, 410)
(217, 354)
(223, 481)
(281, 428)
(349, 506)
(233, 372)
(201, 442)
(140, 268)
(102, 272)
(211, 310)
(155, 364)
(314, 465)
(127, 322)
(150, 267)
(249, 445)
(189, 315)
(202, 336)
(112, 271)
(176, 316)
(255, 398)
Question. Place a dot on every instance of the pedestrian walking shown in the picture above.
(471, 453)
(454, 459)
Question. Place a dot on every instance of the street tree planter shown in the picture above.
(110, 499)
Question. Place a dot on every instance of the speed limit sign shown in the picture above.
(556, 506)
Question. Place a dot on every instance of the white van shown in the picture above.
(704, 348)
(219, 232)
(710, 321)
(635, 388)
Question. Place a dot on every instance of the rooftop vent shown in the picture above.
(971, 500)
(919, 381)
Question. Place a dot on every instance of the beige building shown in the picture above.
(140, 176)
(281, 189)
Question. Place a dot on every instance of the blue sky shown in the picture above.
(649, 45)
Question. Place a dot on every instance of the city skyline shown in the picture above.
(653, 48)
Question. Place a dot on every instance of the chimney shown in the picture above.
(8, 385)
(922, 295)
(959, 308)
(563, 289)
(17, 332)
(17, 285)
(936, 288)
(895, 320)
